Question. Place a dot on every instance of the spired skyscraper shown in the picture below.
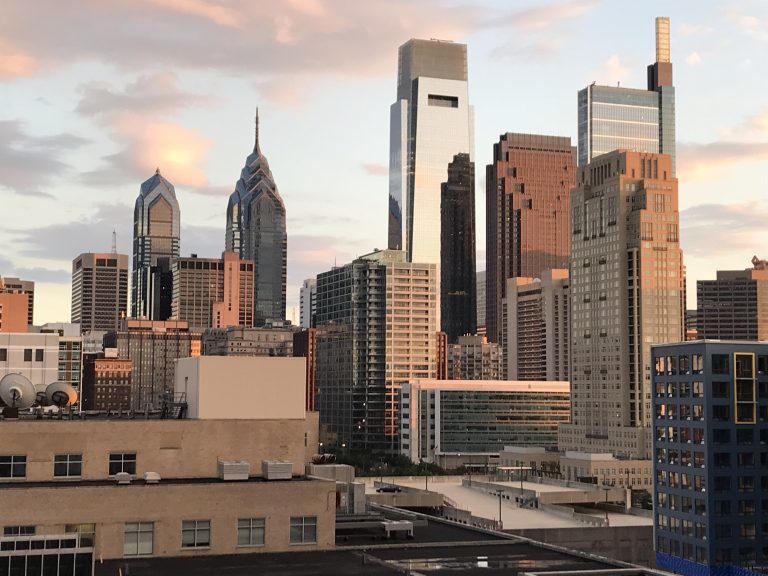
(430, 123)
(156, 225)
(256, 230)
(613, 118)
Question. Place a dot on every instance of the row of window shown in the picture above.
(66, 465)
(138, 537)
(39, 353)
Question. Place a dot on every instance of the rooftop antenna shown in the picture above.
(114, 242)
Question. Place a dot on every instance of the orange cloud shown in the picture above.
(178, 151)
(14, 64)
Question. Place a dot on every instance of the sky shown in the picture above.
(96, 94)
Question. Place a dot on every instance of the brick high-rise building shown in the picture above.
(735, 305)
(13, 312)
(99, 291)
(627, 292)
(305, 346)
(153, 347)
(106, 382)
(213, 292)
(528, 188)
(17, 286)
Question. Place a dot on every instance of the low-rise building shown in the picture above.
(221, 481)
(443, 418)
(248, 341)
(106, 381)
(607, 469)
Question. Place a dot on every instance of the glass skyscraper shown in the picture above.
(614, 118)
(156, 226)
(256, 230)
(430, 123)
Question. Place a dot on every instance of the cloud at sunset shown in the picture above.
(698, 161)
(14, 64)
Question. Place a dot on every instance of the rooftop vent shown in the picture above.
(234, 469)
(276, 469)
(151, 478)
(123, 478)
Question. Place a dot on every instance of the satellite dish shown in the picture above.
(17, 391)
(61, 394)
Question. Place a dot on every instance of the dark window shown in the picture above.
(39, 355)
(195, 533)
(27, 354)
(13, 466)
(123, 462)
(443, 101)
(3, 354)
(18, 531)
(721, 364)
(720, 389)
(303, 529)
(65, 465)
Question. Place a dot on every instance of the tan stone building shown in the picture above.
(136, 487)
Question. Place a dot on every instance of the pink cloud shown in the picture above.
(698, 161)
(216, 13)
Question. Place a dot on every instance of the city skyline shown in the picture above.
(74, 139)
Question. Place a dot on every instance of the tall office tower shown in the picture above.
(536, 327)
(99, 291)
(153, 347)
(376, 326)
(710, 416)
(474, 358)
(18, 286)
(308, 303)
(430, 123)
(156, 225)
(480, 302)
(212, 292)
(735, 306)
(256, 230)
(458, 311)
(626, 294)
(614, 118)
(528, 189)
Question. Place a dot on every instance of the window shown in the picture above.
(303, 529)
(3, 354)
(250, 532)
(195, 533)
(65, 465)
(138, 538)
(13, 466)
(27, 354)
(87, 532)
(721, 364)
(39, 355)
(122, 462)
(19, 531)
(442, 101)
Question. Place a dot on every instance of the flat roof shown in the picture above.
(141, 482)
(491, 385)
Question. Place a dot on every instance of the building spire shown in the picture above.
(256, 139)
(662, 39)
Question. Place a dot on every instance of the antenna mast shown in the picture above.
(114, 242)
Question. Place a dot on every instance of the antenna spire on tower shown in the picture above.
(114, 242)
(256, 139)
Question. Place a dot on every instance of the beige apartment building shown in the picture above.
(474, 358)
(210, 485)
(535, 327)
(627, 292)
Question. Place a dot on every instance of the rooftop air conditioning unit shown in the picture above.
(234, 470)
(151, 478)
(276, 469)
(123, 478)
